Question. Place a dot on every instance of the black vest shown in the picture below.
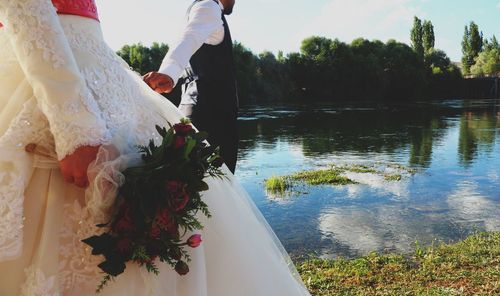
(212, 67)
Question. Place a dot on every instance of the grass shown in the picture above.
(394, 177)
(320, 177)
(470, 267)
(277, 184)
(359, 169)
(280, 185)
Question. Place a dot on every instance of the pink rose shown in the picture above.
(194, 241)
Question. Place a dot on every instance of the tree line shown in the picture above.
(481, 56)
(332, 70)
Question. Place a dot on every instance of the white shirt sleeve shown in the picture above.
(204, 23)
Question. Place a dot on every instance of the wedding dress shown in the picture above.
(62, 87)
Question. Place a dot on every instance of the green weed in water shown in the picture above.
(277, 184)
(319, 177)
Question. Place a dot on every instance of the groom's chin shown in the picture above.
(228, 11)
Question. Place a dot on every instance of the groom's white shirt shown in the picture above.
(204, 26)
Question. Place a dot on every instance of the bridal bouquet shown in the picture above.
(158, 203)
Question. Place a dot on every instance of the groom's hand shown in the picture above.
(159, 82)
(74, 166)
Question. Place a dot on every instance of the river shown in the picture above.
(452, 148)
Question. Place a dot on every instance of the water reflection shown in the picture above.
(476, 129)
(455, 146)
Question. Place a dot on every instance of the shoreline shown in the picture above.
(469, 267)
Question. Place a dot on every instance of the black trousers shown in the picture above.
(222, 128)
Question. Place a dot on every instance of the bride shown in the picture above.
(65, 98)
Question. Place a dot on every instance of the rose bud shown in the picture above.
(179, 142)
(181, 267)
(182, 129)
(194, 241)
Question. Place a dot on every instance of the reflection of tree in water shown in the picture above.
(422, 139)
(412, 127)
(477, 133)
(359, 130)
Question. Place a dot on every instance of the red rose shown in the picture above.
(174, 186)
(181, 267)
(177, 194)
(179, 142)
(124, 224)
(163, 218)
(182, 129)
(155, 232)
(173, 230)
(180, 202)
(194, 241)
(124, 246)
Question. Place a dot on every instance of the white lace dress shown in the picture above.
(62, 87)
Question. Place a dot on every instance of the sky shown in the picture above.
(282, 24)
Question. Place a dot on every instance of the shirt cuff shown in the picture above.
(171, 69)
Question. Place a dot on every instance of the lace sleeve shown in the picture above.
(38, 40)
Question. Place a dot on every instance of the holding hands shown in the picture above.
(159, 82)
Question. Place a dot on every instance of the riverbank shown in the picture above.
(470, 267)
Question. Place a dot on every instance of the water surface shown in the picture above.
(453, 145)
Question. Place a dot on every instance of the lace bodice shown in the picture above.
(45, 56)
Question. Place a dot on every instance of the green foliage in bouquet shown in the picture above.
(158, 204)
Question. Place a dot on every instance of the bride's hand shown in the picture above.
(74, 166)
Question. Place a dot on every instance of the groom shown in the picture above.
(203, 57)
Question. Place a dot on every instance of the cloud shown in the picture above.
(468, 205)
(372, 19)
(498, 5)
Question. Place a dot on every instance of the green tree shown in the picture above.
(404, 70)
(428, 36)
(417, 33)
(472, 45)
(491, 44)
(487, 63)
(143, 59)
(272, 78)
(246, 73)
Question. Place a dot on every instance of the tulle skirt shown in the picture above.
(240, 255)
